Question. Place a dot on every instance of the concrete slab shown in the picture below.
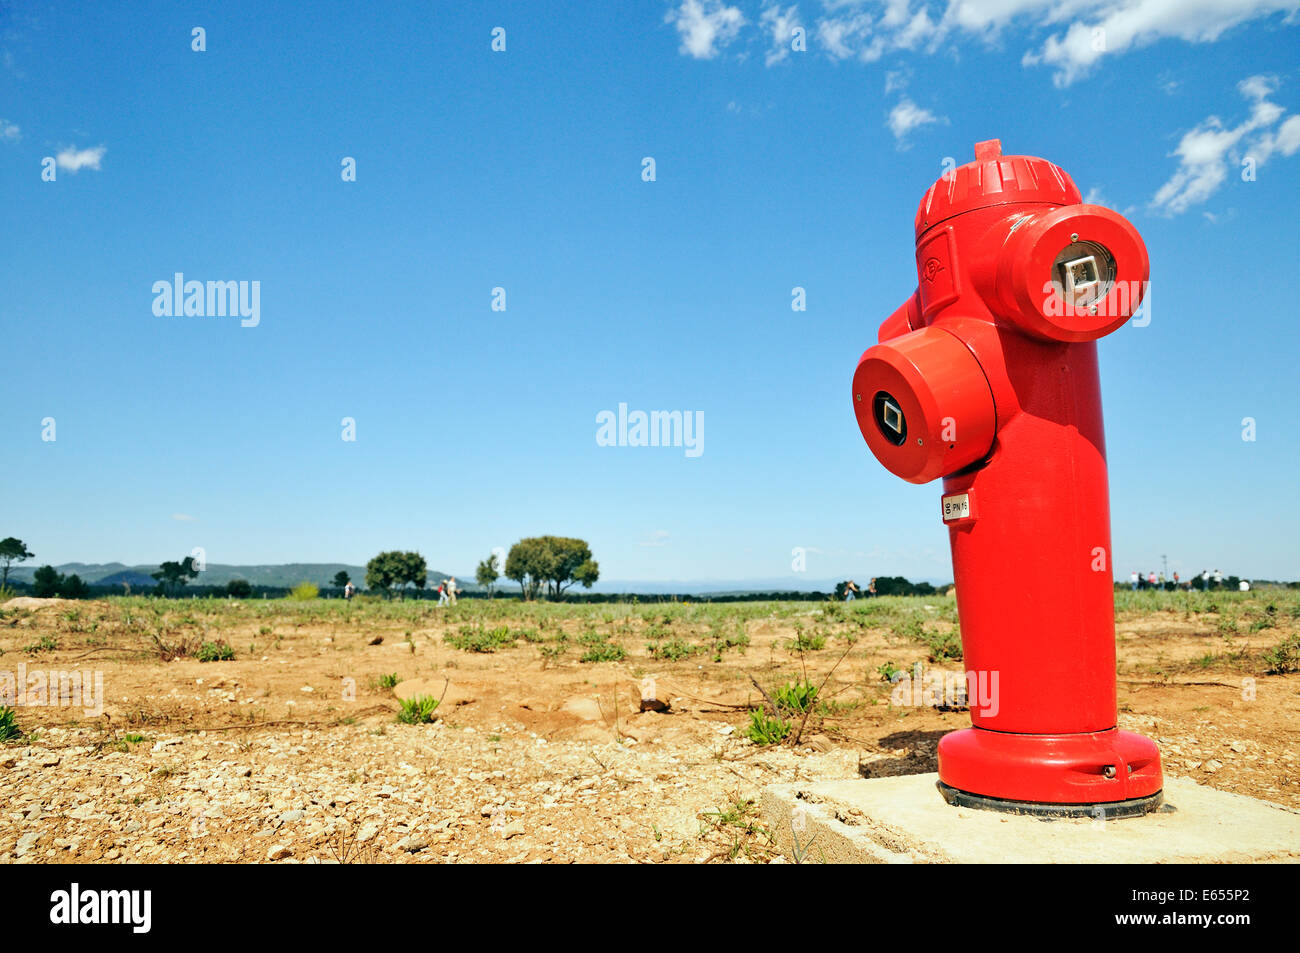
(905, 820)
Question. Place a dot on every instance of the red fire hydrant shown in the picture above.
(987, 377)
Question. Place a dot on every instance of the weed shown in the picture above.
(604, 652)
(218, 651)
(418, 710)
(1284, 657)
(673, 650)
(765, 729)
(796, 697)
(9, 729)
(477, 639)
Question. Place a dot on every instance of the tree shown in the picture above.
(341, 579)
(172, 576)
(556, 562)
(12, 550)
(46, 582)
(486, 575)
(239, 588)
(74, 587)
(396, 570)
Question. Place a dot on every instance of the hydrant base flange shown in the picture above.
(1110, 810)
(1091, 769)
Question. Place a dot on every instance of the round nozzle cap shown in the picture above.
(923, 405)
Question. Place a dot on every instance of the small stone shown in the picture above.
(278, 852)
(1213, 765)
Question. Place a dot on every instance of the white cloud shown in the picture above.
(845, 36)
(184, 518)
(1114, 27)
(74, 160)
(1081, 33)
(1204, 153)
(705, 26)
(658, 538)
(9, 132)
(907, 116)
(780, 26)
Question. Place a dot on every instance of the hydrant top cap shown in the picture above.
(995, 179)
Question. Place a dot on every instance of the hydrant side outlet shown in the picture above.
(987, 378)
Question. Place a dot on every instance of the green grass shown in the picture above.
(944, 645)
(9, 729)
(217, 651)
(418, 710)
(672, 650)
(478, 639)
(765, 729)
(47, 643)
(1284, 657)
(604, 652)
(796, 697)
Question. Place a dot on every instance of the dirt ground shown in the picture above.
(291, 751)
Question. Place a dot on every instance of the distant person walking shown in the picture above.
(1133, 580)
(851, 591)
(1151, 579)
(442, 593)
(451, 590)
(871, 588)
(1218, 579)
(349, 591)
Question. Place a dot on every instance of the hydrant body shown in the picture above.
(987, 377)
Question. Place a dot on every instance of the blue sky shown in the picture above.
(522, 169)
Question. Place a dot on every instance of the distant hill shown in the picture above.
(216, 574)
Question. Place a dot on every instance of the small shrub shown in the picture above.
(887, 671)
(1284, 657)
(765, 729)
(471, 639)
(47, 643)
(604, 652)
(418, 710)
(304, 592)
(673, 650)
(168, 649)
(388, 681)
(218, 651)
(944, 645)
(552, 652)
